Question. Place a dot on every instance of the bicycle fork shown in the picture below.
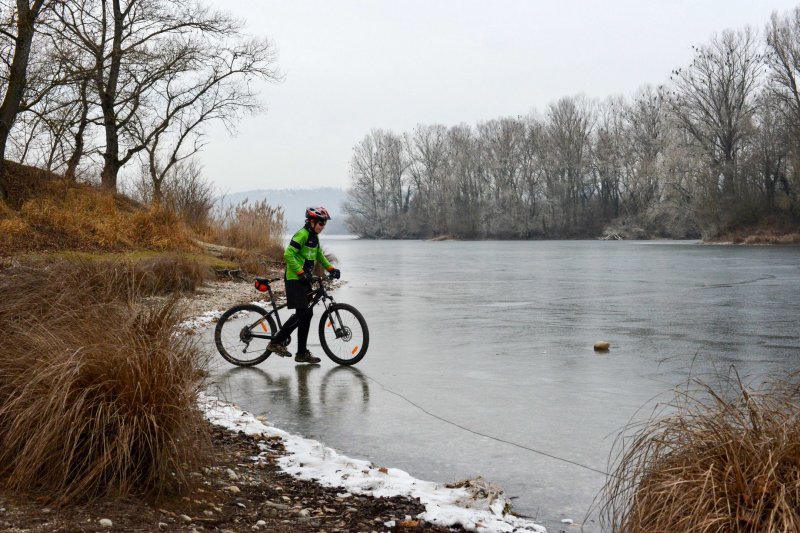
(339, 329)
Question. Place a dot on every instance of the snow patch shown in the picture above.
(474, 504)
(199, 322)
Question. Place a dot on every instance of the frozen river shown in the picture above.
(481, 361)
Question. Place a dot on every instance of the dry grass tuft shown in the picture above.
(256, 227)
(168, 274)
(97, 395)
(724, 461)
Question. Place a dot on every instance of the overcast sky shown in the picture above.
(355, 65)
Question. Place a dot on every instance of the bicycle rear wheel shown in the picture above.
(343, 334)
(242, 334)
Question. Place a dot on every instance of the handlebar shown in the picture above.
(319, 279)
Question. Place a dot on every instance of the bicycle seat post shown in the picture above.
(272, 298)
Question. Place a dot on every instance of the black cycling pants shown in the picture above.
(300, 320)
(297, 297)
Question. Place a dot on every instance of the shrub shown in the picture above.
(98, 396)
(168, 274)
(256, 227)
(724, 461)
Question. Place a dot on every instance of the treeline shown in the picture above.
(92, 86)
(715, 147)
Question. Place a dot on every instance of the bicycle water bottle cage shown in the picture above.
(262, 284)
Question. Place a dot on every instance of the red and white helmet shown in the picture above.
(317, 213)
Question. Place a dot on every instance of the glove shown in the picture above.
(305, 276)
(334, 273)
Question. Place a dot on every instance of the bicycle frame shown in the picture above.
(319, 294)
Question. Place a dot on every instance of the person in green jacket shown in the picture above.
(301, 254)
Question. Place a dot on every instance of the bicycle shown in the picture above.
(248, 328)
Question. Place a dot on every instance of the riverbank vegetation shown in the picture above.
(726, 459)
(47, 214)
(712, 151)
(98, 396)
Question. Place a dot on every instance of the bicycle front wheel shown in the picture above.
(242, 334)
(343, 334)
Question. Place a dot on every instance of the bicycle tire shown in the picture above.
(234, 336)
(351, 347)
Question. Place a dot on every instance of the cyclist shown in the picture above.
(301, 254)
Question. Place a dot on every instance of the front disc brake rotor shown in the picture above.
(344, 333)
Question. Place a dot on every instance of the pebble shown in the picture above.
(105, 522)
(304, 513)
(232, 475)
(162, 525)
(275, 505)
(185, 519)
(233, 489)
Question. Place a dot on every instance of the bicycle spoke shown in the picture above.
(343, 334)
(242, 336)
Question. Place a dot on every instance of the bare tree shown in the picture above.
(715, 100)
(610, 161)
(25, 16)
(130, 48)
(465, 213)
(427, 156)
(215, 82)
(378, 196)
(502, 145)
(647, 125)
(783, 41)
(570, 122)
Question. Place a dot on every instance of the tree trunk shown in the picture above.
(108, 178)
(26, 15)
(3, 190)
(108, 93)
(77, 153)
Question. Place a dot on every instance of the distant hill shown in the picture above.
(294, 203)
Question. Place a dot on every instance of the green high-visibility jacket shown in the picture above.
(301, 253)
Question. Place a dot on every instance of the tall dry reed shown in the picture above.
(257, 227)
(97, 393)
(726, 460)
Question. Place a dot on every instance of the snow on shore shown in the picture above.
(477, 506)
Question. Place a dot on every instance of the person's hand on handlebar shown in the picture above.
(334, 273)
(305, 276)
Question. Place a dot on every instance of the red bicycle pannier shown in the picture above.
(261, 286)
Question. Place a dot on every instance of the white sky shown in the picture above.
(355, 65)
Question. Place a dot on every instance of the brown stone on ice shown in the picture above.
(601, 346)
